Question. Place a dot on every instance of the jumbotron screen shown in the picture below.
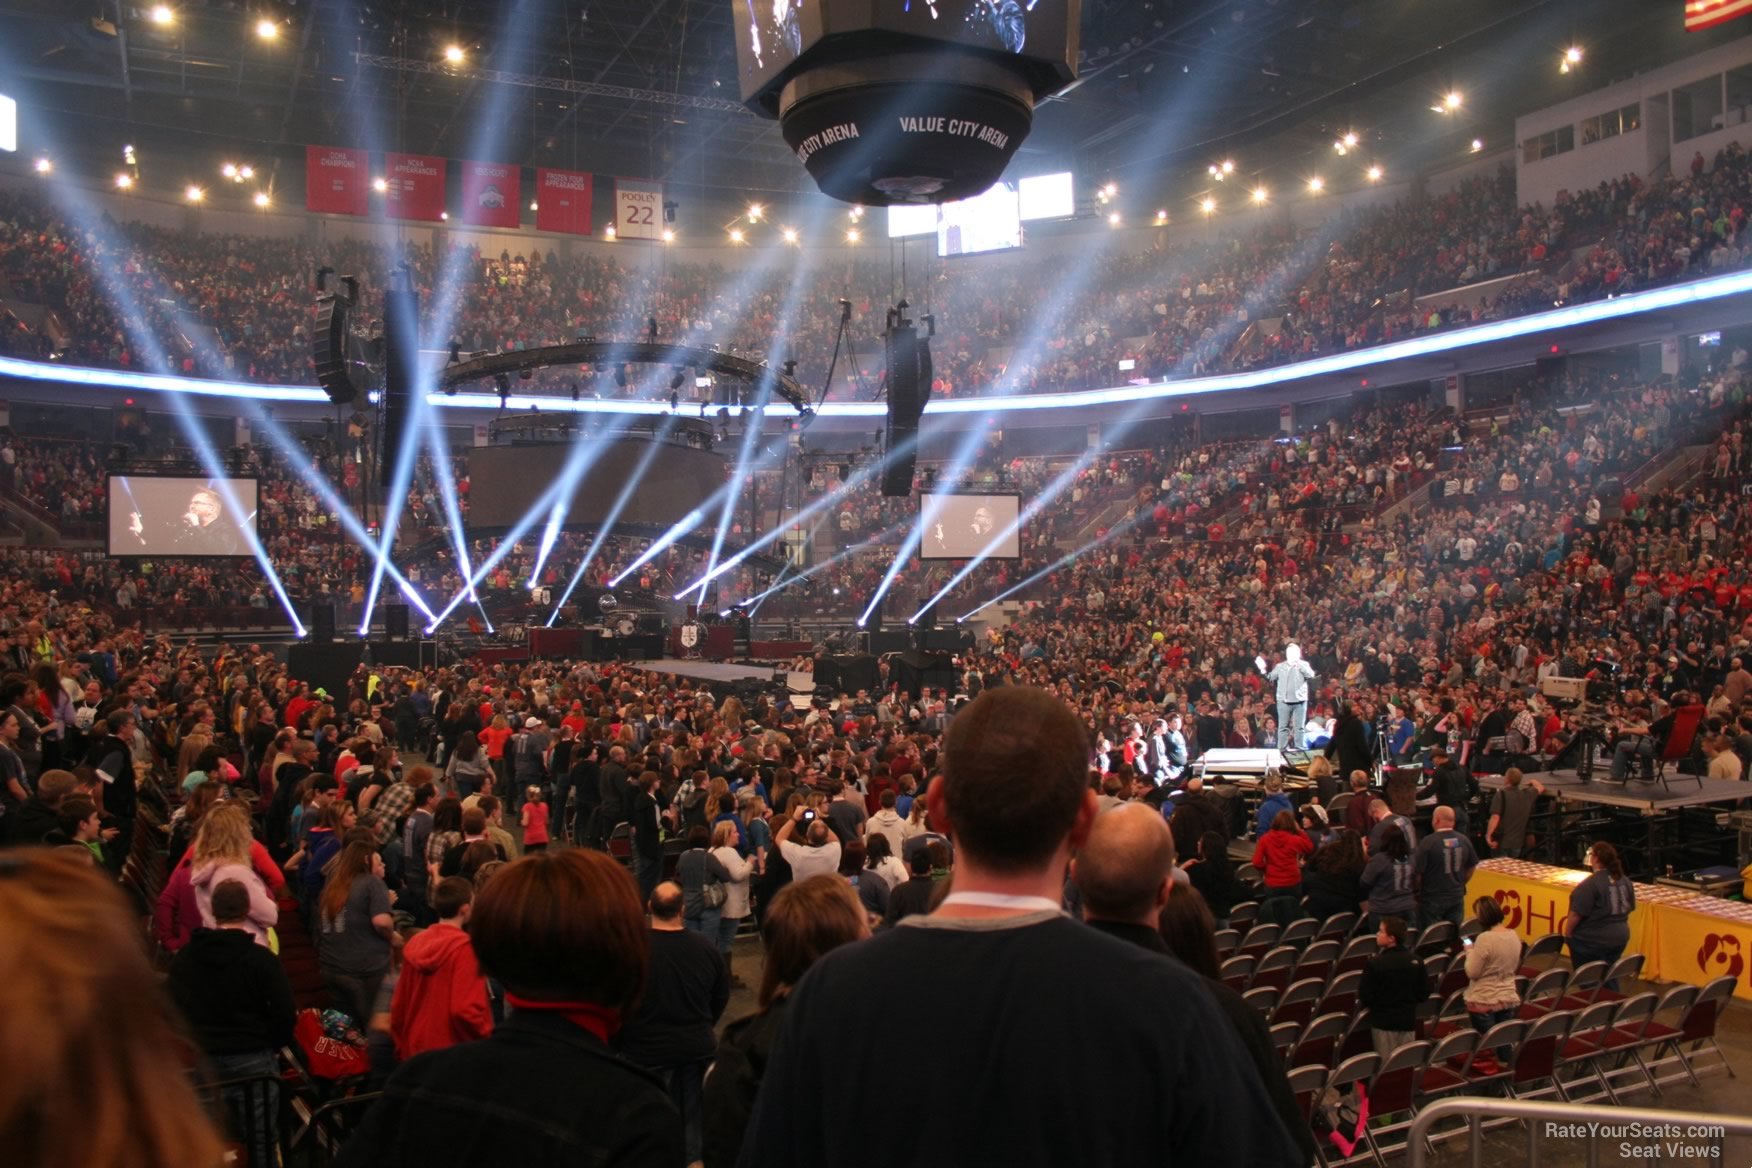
(960, 526)
(160, 515)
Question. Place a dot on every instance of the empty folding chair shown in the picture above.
(1625, 1036)
(1545, 994)
(1307, 1084)
(1275, 967)
(1438, 938)
(1317, 960)
(1471, 927)
(1261, 999)
(1243, 915)
(1297, 1003)
(1299, 932)
(1237, 972)
(1357, 952)
(1535, 1057)
(1626, 971)
(1585, 1048)
(1451, 1015)
(1584, 985)
(1338, 926)
(1454, 976)
(1341, 993)
(1699, 1026)
(1541, 954)
(1664, 1036)
(1358, 1037)
(1319, 1041)
(1391, 1091)
(1442, 1074)
(1228, 940)
(1259, 939)
(1487, 1064)
(1284, 1036)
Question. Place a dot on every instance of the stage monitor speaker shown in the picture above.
(322, 621)
(395, 622)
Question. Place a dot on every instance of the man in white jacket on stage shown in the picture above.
(1291, 677)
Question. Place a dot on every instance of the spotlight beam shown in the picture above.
(816, 569)
(660, 545)
(614, 513)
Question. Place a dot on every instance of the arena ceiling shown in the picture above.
(647, 87)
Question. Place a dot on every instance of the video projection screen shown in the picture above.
(161, 515)
(507, 482)
(961, 526)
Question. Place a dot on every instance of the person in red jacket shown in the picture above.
(441, 997)
(1278, 855)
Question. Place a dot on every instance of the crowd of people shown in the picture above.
(132, 296)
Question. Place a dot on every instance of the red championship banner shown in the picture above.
(562, 201)
(490, 193)
(416, 186)
(1702, 14)
(335, 180)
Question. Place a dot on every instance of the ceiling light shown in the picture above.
(44, 166)
(124, 181)
(229, 170)
(535, 206)
(1113, 219)
(853, 236)
(668, 235)
(194, 194)
(161, 14)
(267, 30)
(1453, 101)
(1316, 184)
(1350, 139)
(1228, 166)
(609, 231)
(1341, 148)
(1572, 55)
(736, 235)
(755, 211)
(1374, 173)
(790, 234)
(1207, 205)
(1477, 145)
(1110, 190)
(380, 185)
(857, 214)
(261, 199)
(1259, 195)
(453, 54)
(246, 172)
(1161, 217)
(444, 215)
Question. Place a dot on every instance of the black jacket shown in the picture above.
(233, 992)
(1394, 982)
(1349, 748)
(734, 1081)
(115, 758)
(31, 823)
(539, 1093)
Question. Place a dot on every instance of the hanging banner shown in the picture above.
(490, 194)
(638, 209)
(562, 201)
(336, 180)
(416, 186)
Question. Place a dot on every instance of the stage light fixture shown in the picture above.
(44, 166)
(677, 377)
(1260, 194)
(161, 14)
(267, 30)
(853, 236)
(1374, 173)
(1207, 205)
(1572, 57)
(755, 211)
(668, 235)
(1453, 101)
(736, 235)
(262, 200)
(1316, 184)
(229, 170)
(454, 54)
(1161, 217)
(1349, 141)
(380, 185)
(1477, 145)
(124, 181)
(444, 215)
(609, 231)
(1113, 219)
(790, 235)
(246, 171)
(194, 194)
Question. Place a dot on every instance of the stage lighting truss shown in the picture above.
(539, 427)
(678, 358)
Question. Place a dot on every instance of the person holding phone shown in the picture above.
(818, 855)
(1493, 959)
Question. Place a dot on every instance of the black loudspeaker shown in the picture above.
(653, 622)
(329, 349)
(917, 670)
(847, 674)
(401, 353)
(395, 622)
(905, 404)
(322, 620)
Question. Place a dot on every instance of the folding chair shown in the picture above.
(1535, 1058)
(1627, 1034)
(1319, 1040)
(1545, 994)
(1340, 801)
(1307, 1084)
(1284, 1036)
(1356, 954)
(1486, 1066)
(1659, 1035)
(1261, 999)
(1454, 976)
(1471, 927)
(1452, 1016)
(1297, 1003)
(1357, 1038)
(1549, 946)
(1441, 1076)
(1228, 940)
(1341, 993)
(1237, 972)
(1626, 968)
(1440, 937)
(1584, 985)
(1275, 967)
(1583, 1049)
(1391, 1091)
(1317, 960)
(1299, 932)
(1242, 915)
(1338, 925)
(1699, 1025)
(1259, 939)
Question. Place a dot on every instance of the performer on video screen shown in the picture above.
(1291, 677)
(980, 527)
(201, 530)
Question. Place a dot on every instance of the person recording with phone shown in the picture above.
(819, 855)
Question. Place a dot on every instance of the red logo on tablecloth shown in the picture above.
(1721, 956)
(1509, 901)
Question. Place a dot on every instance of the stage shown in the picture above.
(1225, 762)
(1648, 798)
(722, 673)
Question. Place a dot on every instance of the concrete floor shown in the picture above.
(1718, 1095)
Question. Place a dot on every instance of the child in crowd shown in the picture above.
(83, 825)
(535, 820)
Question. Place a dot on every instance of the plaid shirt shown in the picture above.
(391, 807)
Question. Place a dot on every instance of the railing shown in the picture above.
(1576, 1121)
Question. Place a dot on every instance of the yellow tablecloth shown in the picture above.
(1684, 936)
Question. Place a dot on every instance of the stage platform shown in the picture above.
(720, 672)
(1226, 762)
(1636, 795)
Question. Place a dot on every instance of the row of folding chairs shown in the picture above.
(1257, 939)
(1620, 1045)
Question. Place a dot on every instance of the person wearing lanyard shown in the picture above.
(1000, 963)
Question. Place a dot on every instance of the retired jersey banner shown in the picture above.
(490, 193)
(562, 201)
(416, 186)
(335, 180)
(1701, 14)
(638, 209)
